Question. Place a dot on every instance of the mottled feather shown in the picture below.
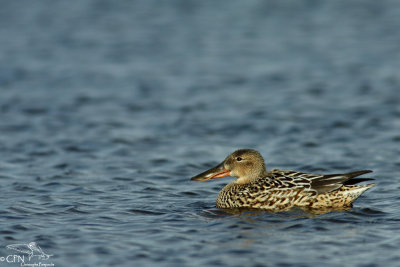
(283, 189)
(279, 190)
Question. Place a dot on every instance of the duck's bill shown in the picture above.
(213, 173)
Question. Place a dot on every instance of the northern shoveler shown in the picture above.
(279, 190)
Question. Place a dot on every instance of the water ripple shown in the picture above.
(103, 125)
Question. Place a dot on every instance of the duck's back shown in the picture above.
(282, 190)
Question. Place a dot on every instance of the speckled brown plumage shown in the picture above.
(279, 190)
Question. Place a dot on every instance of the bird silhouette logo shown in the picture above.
(32, 249)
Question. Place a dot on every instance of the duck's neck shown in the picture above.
(249, 179)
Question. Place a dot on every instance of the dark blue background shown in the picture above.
(108, 107)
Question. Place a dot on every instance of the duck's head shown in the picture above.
(245, 164)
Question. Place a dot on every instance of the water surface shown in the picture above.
(108, 108)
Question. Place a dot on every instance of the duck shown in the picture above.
(281, 190)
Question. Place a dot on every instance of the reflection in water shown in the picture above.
(292, 213)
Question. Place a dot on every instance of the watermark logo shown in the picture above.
(30, 254)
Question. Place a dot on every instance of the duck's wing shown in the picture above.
(320, 183)
(276, 184)
(280, 189)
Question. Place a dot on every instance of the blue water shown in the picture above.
(107, 108)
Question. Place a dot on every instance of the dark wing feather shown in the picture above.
(357, 180)
(328, 183)
(315, 182)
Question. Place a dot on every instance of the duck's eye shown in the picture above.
(239, 159)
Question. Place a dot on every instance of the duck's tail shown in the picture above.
(342, 197)
(354, 191)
